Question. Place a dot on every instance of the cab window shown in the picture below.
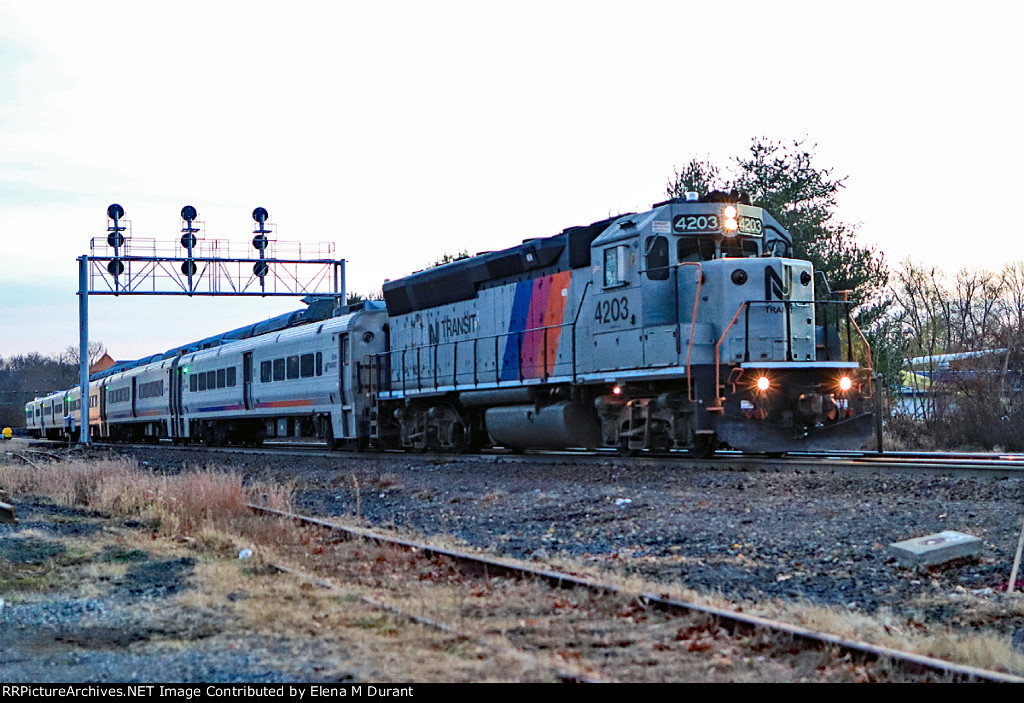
(615, 261)
(690, 248)
(656, 258)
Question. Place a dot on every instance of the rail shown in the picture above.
(733, 621)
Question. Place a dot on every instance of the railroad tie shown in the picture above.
(7, 510)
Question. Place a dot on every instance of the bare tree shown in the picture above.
(71, 356)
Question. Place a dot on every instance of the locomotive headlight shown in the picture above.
(763, 384)
(845, 383)
(729, 222)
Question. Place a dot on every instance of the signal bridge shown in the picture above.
(195, 265)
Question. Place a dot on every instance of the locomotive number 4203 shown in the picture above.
(612, 310)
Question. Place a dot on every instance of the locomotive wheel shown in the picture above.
(704, 446)
(419, 444)
(461, 436)
(624, 449)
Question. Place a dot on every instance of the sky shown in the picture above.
(399, 131)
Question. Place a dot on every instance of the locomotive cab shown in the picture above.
(715, 301)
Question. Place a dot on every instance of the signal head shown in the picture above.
(260, 215)
(189, 213)
(115, 211)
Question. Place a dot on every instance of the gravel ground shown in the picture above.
(819, 536)
(753, 536)
(126, 627)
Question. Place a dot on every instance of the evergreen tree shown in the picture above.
(784, 180)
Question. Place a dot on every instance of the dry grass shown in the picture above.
(187, 504)
(885, 629)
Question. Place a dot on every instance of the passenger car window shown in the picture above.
(222, 378)
(293, 367)
(265, 373)
(306, 365)
(231, 377)
(278, 369)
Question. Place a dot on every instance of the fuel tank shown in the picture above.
(555, 426)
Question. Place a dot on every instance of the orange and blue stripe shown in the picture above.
(534, 330)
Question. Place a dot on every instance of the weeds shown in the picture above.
(192, 503)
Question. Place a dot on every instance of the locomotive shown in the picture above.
(689, 326)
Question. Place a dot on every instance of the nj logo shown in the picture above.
(774, 287)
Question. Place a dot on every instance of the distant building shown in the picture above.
(102, 364)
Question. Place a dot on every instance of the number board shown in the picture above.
(713, 223)
(696, 223)
(751, 225)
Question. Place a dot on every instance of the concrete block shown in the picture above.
(936, 549)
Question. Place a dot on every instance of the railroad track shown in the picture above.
(735, 623)
(967, 464)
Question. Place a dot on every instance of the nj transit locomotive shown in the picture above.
(688, 326)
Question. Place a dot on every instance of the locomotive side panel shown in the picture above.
(517, 332)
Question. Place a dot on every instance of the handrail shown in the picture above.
(434, 348)
(718, 372)
(575, 320)
(691, 391)
(749, 303)
(867, 351)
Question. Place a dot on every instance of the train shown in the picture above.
(686, 327)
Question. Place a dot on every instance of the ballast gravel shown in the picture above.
(812, 535)
(728, 528)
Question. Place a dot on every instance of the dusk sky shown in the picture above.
(400, 131)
